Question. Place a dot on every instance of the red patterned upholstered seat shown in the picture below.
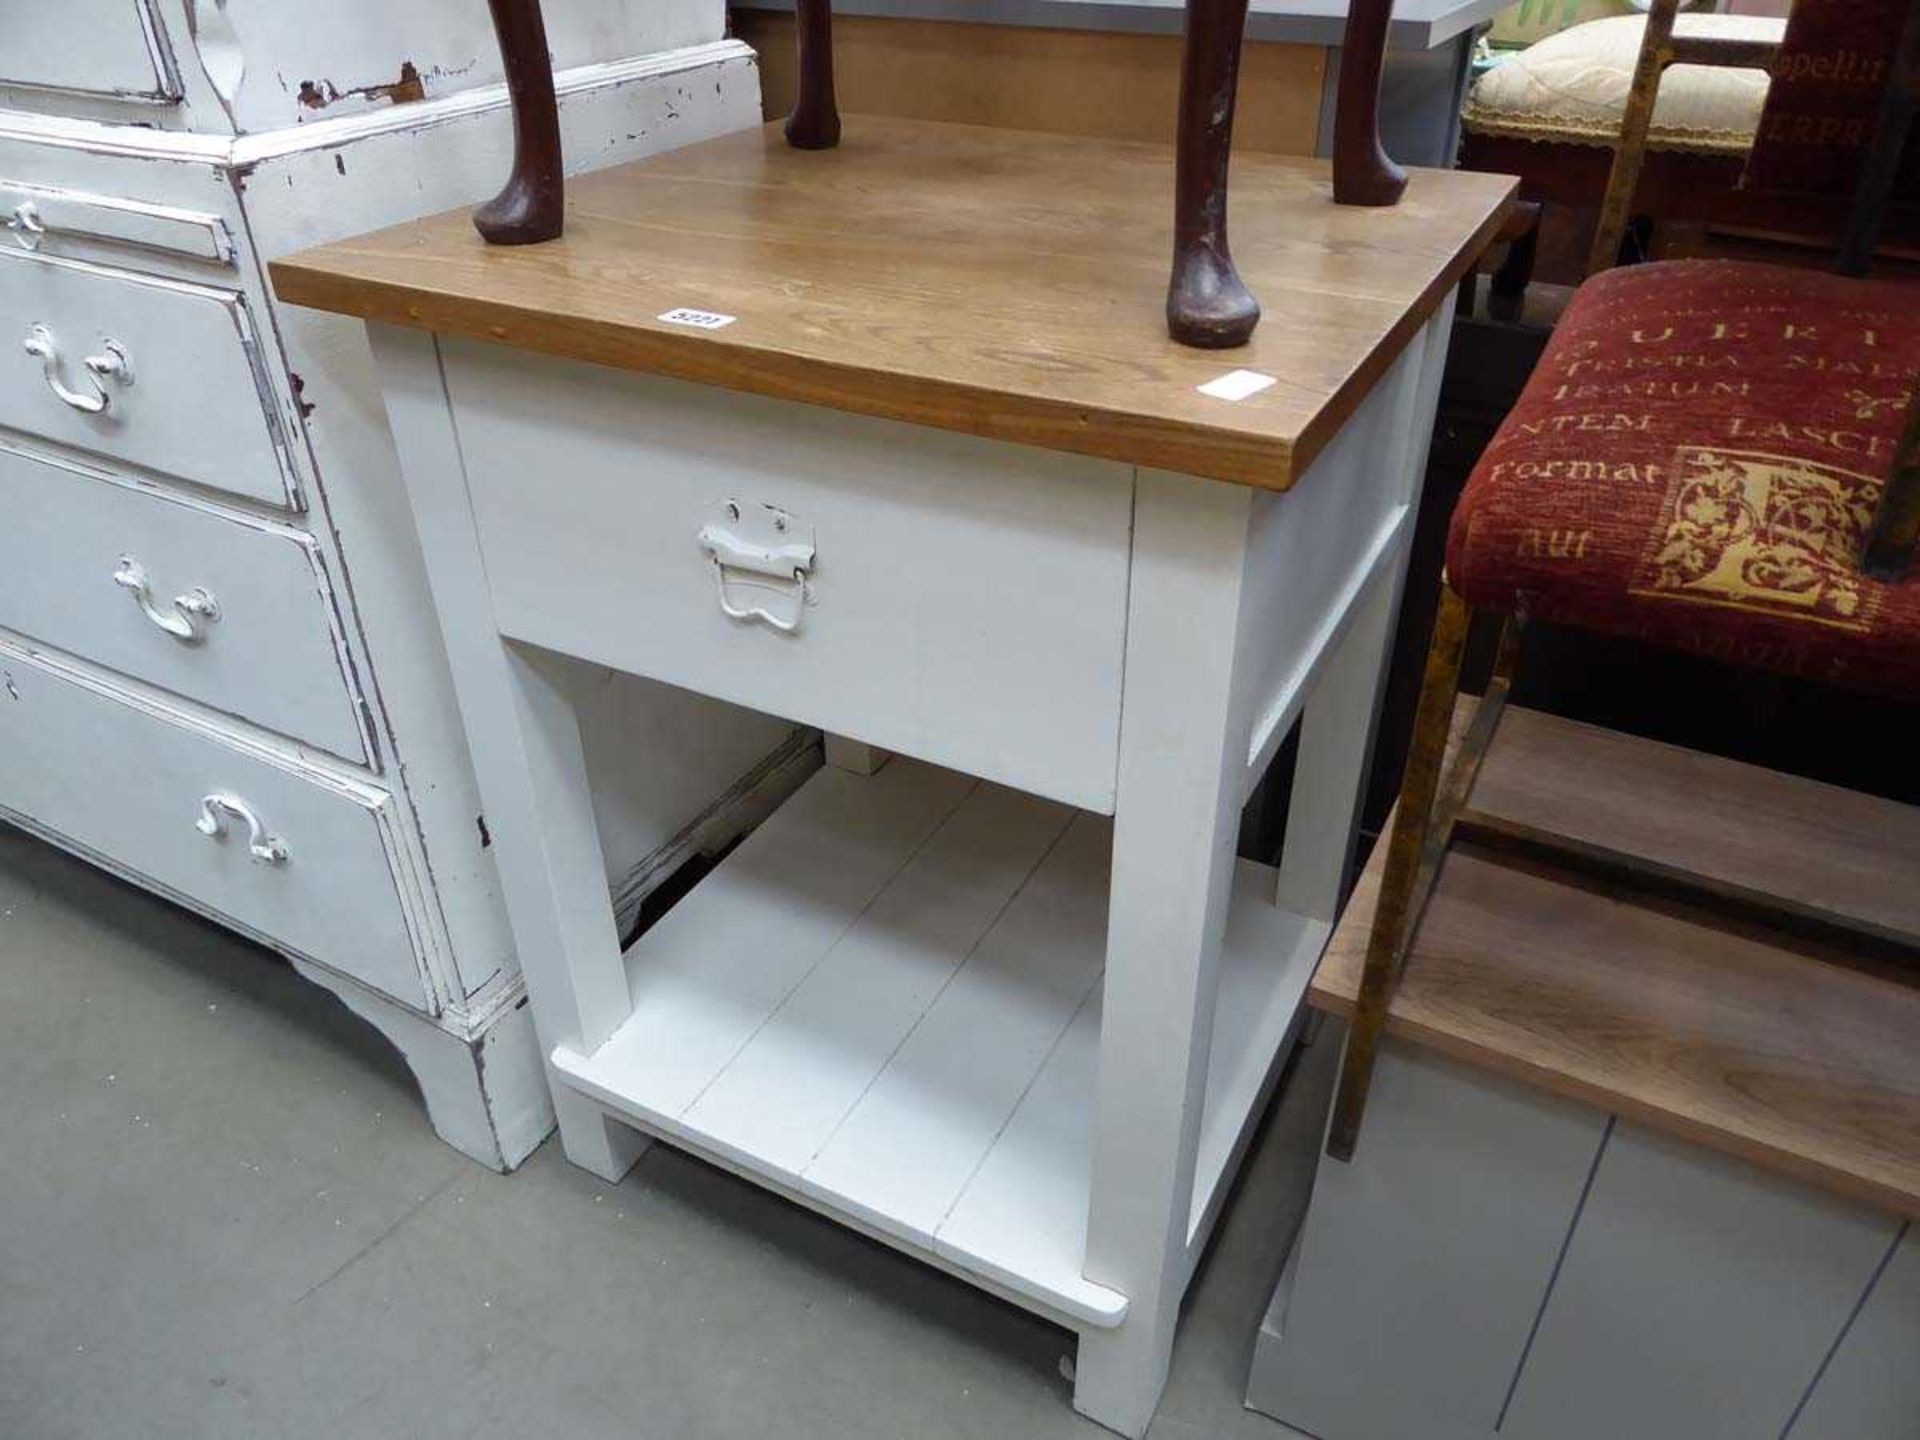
(1695, 463)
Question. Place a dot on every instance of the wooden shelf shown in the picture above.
(886, 1005)
(1745, 1040)
(999, 282)
(1831, 855)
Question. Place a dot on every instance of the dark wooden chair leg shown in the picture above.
(1207, 305)
(532, 205)
(1881, 166)
(1507, 294)
(815, 121)
(1895, 533)
(1363, 174)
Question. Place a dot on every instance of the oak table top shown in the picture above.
(1003, 283)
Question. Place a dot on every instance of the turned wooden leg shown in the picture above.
(1362, 172)
(1880, 167)
(1207, 305)
(1895, 533)
(815, 121)
(530, 207)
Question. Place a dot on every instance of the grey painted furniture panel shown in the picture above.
(1497, 1261)
(1870, 1389)
(1459, 1198)
(1697, 1299)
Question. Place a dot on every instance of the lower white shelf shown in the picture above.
(886, 1004)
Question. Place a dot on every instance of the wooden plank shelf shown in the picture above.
(886, 1005)
(1832, 856)
(1747, 1040)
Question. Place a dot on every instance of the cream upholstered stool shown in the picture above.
(1554, 113)
(1571, 88)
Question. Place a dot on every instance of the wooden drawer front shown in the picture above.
(75, 545)
(194, 404)
(99, 47)
(968, 598)
(127, 777)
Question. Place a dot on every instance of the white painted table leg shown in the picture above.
(545, 809)
(1336, 741)
(1174, 829)
(526, 753)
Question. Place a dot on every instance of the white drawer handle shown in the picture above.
(112, 363)
(27, 226)
(267, 848)
(760, 612)
(189, 610)
(760, 547)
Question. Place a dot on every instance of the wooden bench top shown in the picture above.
(998, 282)
(1738, 1038)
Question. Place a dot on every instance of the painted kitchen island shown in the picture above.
(890, 440)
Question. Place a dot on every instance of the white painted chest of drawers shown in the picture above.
(220, 675)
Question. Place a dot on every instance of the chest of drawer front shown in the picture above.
(229, 611)
(305, 857)
(56, 219)
(96, 47)
(964, 601)
(160, 373)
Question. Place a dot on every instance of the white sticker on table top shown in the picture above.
(698, 319)
(1237, 385)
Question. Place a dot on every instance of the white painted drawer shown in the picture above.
(98, 47)
(74, 544)
(57, 219)
(969, 598)
(194, 406)
(126, 776)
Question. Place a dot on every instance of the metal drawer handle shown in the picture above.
(112, 363)
(27, 226)
(189, 610)
(760, 547)
(760, 612)
(267, 848)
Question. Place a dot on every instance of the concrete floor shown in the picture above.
(222, 1214)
